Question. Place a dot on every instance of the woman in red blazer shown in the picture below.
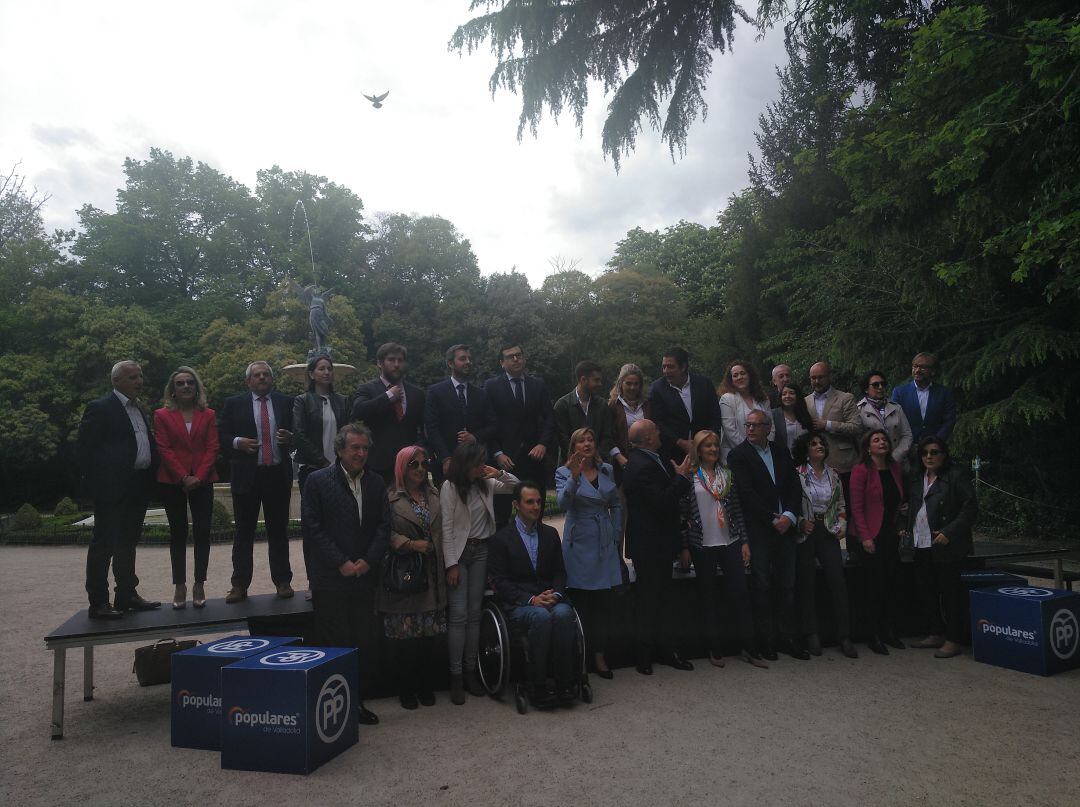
(187, 439)
(877, 502)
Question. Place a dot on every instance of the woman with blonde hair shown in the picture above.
(186, 434)
(628, 405)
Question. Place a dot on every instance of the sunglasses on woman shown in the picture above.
(417, 463)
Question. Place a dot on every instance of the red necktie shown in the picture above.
(267, 437)
(399, 409)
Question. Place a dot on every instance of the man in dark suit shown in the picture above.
(525, 564)
(345, 516)
(524, 425)
(392, 408)
(683, 403)
(582, 406)
(653, 487)
(770, 494)
(929, 406)
(456, 411)
(118, 461)
(254, 430)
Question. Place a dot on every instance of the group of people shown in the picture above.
(413, 503)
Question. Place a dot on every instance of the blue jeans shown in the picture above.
(550, 631)
(465, 601)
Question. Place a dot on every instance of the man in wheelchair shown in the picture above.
(525, 566)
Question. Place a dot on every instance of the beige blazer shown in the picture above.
(455, 513)
(845, 428)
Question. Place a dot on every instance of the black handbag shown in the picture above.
(152, 663)
(405, 573)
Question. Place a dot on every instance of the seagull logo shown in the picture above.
(376, 100)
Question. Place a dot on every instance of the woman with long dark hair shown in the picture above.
(942, 509)
(468, 520)
(187, 439)
(317, 414)
(740, 393)
(791, 419)
(877, 503)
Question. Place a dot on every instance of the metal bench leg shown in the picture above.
(59, 665)
(1059, 575)
(88, 673)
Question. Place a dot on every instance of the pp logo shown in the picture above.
(1026, 592)
(1064, 634)
(292, 657)
(332, 708)
(238, 646)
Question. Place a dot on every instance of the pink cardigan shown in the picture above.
(868, 499)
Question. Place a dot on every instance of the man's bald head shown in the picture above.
(820, 376)
(644, 434)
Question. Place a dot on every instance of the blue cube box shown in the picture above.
(1035, 630)
(290, 710)
(196, 686)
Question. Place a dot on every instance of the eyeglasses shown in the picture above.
(751, 425)
(932, 452)
(513, 356)
(184, 383)
(877, 384)
(417, 463)
(922, 367)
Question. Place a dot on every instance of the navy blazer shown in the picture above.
(106, 450)
(237, 419)
(511, 572)
(653, 491)
(334, 532)
(389, 435)
(940, 410)
(517, 428)
(670, 416)
(444, 417)
(759, 496)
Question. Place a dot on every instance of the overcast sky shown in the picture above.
(247, 85)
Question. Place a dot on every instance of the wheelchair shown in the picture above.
(503, 658)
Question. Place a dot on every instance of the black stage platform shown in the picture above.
(217, 617)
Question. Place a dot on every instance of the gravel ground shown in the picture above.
(903, 730)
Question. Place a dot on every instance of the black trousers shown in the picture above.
(941, 595)
(594, 611)
(348, 619)
(412, 663)
(270, 491)
(877, 594)
(822, 546)
(773, 560)
(117, 527)
(735, 590)
(653, 608)
(176, 501)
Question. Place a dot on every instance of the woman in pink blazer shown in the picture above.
(877, 502)
(187, 439)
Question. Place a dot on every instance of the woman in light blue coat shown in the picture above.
(585, 490)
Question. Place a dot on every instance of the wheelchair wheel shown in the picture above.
(493, 661)
(586, 692)
(521, 701)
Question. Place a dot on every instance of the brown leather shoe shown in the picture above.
(236, 594)
(284, 590)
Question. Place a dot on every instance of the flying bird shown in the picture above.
(376, 100)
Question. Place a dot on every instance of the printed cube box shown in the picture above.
(289, 711)
(1035, 630)
(196, 686)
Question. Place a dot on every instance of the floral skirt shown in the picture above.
(415, 626)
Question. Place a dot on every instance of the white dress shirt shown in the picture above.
(138, 425)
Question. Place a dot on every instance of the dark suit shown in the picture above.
(107, 452)
(569, 417)
(334, 532)
(254, 485)
(773, 556)
(444, 417)
(389, 435)
(670, 416)
(550, 630)
(653, 539)
(951, 508)
(517, 429)
(940, 410)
